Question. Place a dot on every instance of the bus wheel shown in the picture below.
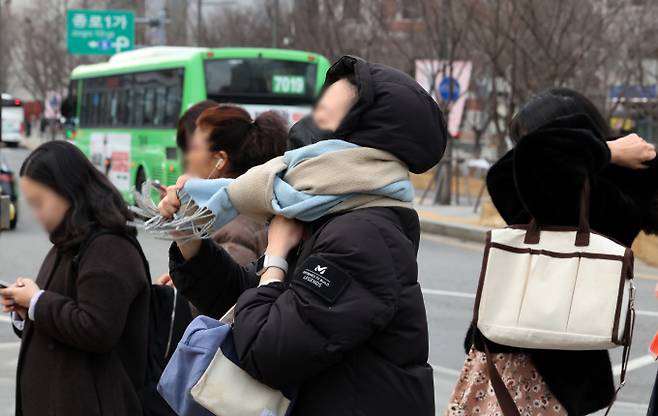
(140, 179)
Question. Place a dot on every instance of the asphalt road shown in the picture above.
(448, 273)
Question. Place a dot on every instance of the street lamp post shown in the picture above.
(3, 52)
(275, 25)
(2, 67)
(199, 26)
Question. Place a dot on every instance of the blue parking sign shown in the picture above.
(445, 91)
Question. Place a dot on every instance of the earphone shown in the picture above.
(219, 160)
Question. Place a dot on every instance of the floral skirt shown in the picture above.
(473, 394)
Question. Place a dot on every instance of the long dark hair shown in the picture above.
(95, 202)
(556, 103)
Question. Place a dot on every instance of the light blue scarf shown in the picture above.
(287, 201)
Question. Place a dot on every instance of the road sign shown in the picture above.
(99, 32)
(436, 77)
(448, 93)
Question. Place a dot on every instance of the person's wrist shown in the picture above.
(277, 251)
(189, 248)
(271, 275)
(31, 307)
(614, 151)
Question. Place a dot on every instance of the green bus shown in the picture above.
(126, 109)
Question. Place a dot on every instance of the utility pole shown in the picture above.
(444, 179)
(2, 85)
(199, 21)
(275, 25)
(161, 27)
(158, 24)
(3, 52)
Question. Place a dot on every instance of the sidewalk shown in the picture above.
(32, 142)
(462, 223)
(459, 222)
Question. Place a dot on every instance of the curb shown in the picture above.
(30, 144)
(459, 231)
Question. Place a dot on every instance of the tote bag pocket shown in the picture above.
(192, 357)
(225, 389)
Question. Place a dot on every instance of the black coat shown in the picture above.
(348, 327)
(543, 176)
(85, 352)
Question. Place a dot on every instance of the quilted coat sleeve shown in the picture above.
(212, 280)
(345, 291)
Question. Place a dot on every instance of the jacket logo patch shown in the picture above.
(321, 277)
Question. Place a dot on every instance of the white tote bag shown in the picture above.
(553, 287)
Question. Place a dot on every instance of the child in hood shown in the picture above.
(337, 322)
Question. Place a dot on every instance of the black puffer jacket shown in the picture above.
(544, 175)
(348, 326)
(356, 345)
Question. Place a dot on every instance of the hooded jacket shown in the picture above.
(543, 177)
(347, 329)
(393, 113)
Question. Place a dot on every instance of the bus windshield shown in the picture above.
(261, 81)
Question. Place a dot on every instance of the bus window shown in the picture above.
(143, 99)
(149, 106)
(160, 104)
(261, 81)
(95, 108)
(121, 107)
(113, 107)
(129, 113)
(138, 110)
(103, 110)
(173, 102)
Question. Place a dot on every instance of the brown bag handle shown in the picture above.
(582, 235)
(505, 400)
